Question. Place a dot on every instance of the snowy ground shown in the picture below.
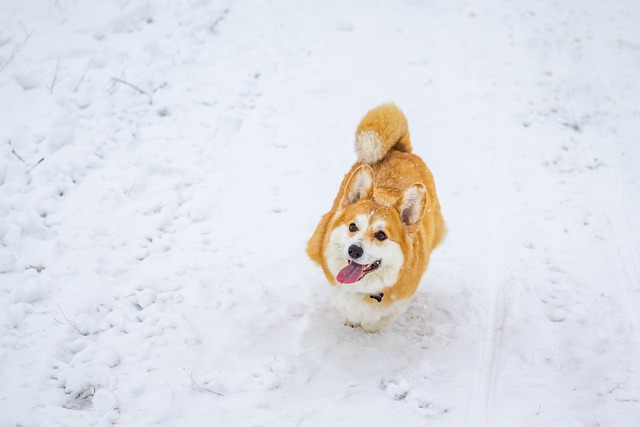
(163, 163)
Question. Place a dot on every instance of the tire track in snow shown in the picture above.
(609, 188)
(621, 228)
(483, 395)
(622, 244)
(628, 249)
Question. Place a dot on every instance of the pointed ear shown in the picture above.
(412, 204)
(359, 186)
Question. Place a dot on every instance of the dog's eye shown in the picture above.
(353, 228)
(380, 235)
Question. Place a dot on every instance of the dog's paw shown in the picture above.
(350, 324)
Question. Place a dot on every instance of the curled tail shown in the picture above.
(382, 129)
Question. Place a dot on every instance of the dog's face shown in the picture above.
(365, 247)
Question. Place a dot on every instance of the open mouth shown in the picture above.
(354, 271)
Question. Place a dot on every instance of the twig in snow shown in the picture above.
(162, 86)
(67, 319)
(22, 160)
(15, 51)
(135, 182)
(16, 154)
(117, 80)
(25, 30)
(218, 20)
(55, 76)
(32, 167)
(199, 388)
(37, 268)
(83, 74)
(193, 383)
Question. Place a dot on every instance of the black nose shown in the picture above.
(355, 251)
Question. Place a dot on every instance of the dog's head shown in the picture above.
(369, 241)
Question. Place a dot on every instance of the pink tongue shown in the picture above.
(351, 273)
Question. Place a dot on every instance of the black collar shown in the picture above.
(377, 297)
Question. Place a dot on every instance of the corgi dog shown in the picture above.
(375, 242)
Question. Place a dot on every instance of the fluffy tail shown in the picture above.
(382, 129)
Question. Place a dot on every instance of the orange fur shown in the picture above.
(385, 154)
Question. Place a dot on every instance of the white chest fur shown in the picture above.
(359, 309)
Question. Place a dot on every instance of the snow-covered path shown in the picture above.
(163, 163)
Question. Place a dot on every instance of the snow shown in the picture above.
(163, 163)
